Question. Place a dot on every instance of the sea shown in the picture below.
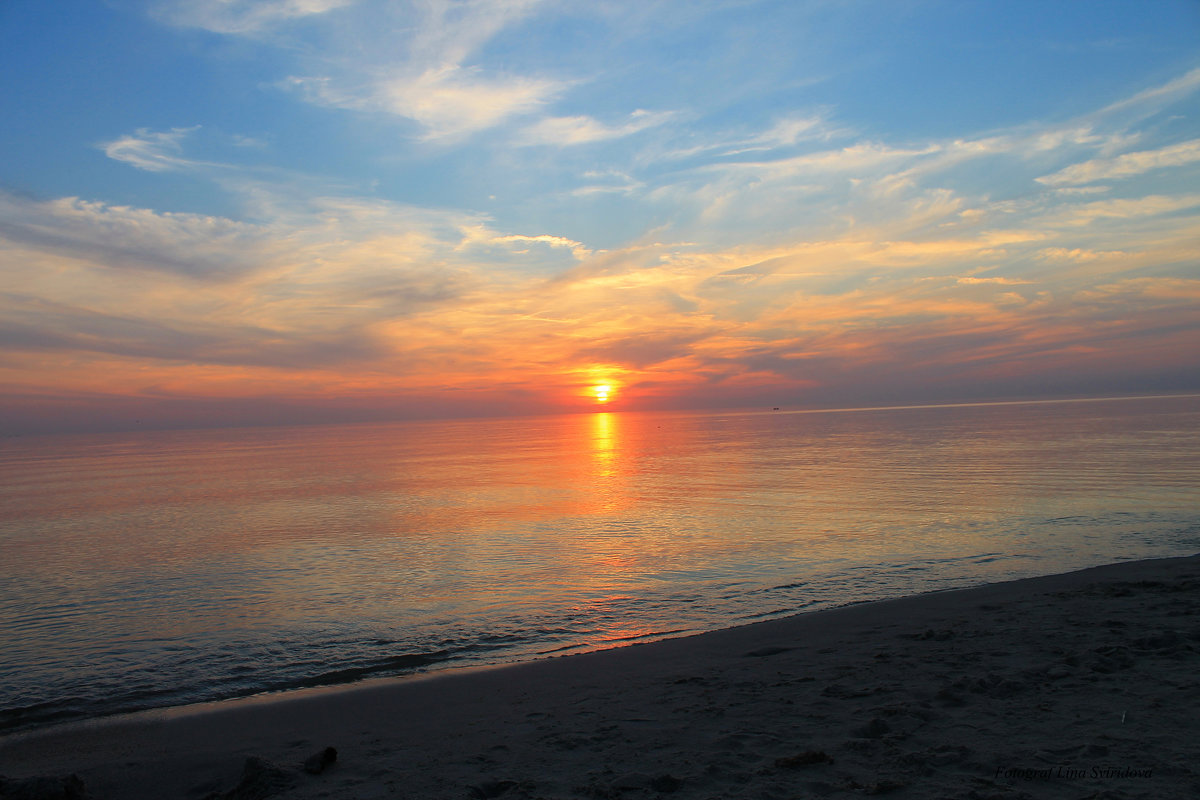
(164, 568)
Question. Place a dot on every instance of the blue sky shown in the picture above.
(360, 207)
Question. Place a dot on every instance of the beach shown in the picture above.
(1075, 685)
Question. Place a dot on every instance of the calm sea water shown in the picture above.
(164, 568)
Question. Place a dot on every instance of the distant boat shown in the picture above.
(776, 408)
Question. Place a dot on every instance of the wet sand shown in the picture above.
(1084, 685)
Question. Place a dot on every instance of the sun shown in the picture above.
(602, 391)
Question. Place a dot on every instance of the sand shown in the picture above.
(1084, 685)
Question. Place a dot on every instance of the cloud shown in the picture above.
(120, 237)
(1078, 254)
(971, 281)
(450, 102)
(450, 31)
(786, 132)
(35, 324)
(335, 287)
(1121, 209)
(413, 60)
(774, 197)
(1082, 190)
(567, 131)
(577, 248)
(987, 245)
(1149, 101)
(151, 151)
(911, 190)
(242, 17)
(790, 130)
(854, 158)
(643, 350)
(1162, 291)
(1125, 166)
(607, 182)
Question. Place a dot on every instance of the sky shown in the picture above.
(223, 212)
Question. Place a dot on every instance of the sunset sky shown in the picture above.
(231, 212)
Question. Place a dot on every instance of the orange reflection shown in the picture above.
(604, 444)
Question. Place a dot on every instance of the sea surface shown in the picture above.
(162, 568)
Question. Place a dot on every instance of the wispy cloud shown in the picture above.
(852, 158)
(1149, 101)
(1125, 166)
(120, 237)
(240, 16)
(607, 182)
(153, 151)
(566, 131)
(143, 287)
(787, 132)
(970, 280)
(1121, 209)
(454, 101)
(449, 102)
(577, 248)
(1078, 254)
(423, 71)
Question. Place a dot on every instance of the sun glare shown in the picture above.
(602, 392)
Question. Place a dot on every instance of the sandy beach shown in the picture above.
(1082, 685)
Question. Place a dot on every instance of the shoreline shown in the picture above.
(1023, 686)
(311, 687)
(281, 690)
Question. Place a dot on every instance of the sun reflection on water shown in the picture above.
(604, 444)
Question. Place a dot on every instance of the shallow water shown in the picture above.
(162, 568)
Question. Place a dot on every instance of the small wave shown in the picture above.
(640, 636)
(391, 665)
(767, 614)
(36, 714)
(563, 649)
(142, 697)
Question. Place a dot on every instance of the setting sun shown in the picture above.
(602, 392)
